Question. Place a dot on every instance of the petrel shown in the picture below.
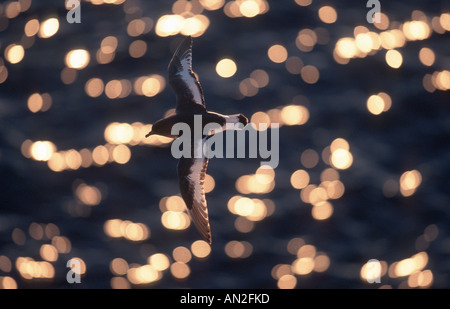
(191, 103)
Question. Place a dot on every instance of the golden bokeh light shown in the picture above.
(310, 74)
(277, 53)
(137, 49)
(238, 249)
(14, 53)
(394, 58)
(182, 254)
(322, 210)
(287, 281)
(328, 14)
(88, 195)
(129, 230)
(159, 261)
(212, 5)
(180, 270)
(29, 268)
(341, 159)
(31, 27)
(48, 252)
(94, 87)
(42, 150)
(409, 182)
(427, 56)
(77, 59)
(408, 266)
(39, 102)
(294, 115)
(299, 179)
(200, 249)
(119, 266)
(48, 28)
(226, 68)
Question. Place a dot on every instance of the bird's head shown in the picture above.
(161, 127)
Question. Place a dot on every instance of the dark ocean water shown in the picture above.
(367, 222)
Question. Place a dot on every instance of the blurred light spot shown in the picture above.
(209, 183)
(409, 181)
(118, 266)
(88, 195)
(7, 283)
(48, 253)
(109, 44)
(294, 65)
(261, 120)
(329, 174)
(77, 59)
(309, 158)
(416, 30)
(3, 72)
(121, 154)
(100, 155)
(120, 283)
(168, 25)
(226, 68)
(151, 85)
(299, 179)
(136, 27)
(39, 102)
(327, 14)
(238, 249)
(14, 53)
(322, 210)
(444, 20)
(137, 49)
(94, 87)
(29, 268)
(321, 262)
(277, 53)
(384, 22)
(159, 261)
(408, 266)
(180, 270)
(129, 230)
(48, 28)
(427, 56)
(341, 159)
(303, 266)
(294, 115)
(212, 4)
(287, 281)
(42, 150)
(306, 39)
(200, 249)
(260, 77)
(346, 48)
(175, 220)
(18, 236)
(303, 2)
(310, 74)
(181, 254)
(394, 58)
(62, 244)
(249, 8)
(31, 27)
(422, 279)
(248, 87)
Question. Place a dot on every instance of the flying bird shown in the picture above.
(190, 103)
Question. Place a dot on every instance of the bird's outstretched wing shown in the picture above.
(182, 78)
(191, 173)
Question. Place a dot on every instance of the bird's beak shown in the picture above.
(149, 133)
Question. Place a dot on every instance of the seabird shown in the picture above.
(190, 102)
